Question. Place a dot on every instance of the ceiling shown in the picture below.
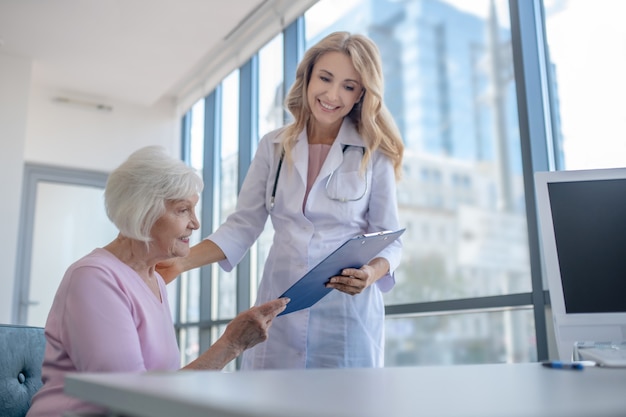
(138, 51)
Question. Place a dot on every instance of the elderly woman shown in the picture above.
(111, 312)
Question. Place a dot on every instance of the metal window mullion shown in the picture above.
(248, 132)
(210, 195)
(495, 302)
(531, 80)
(185, 153)
(185, 137)
(293, 50)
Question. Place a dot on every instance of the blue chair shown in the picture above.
(21, 357)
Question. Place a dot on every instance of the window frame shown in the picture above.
(535, 106)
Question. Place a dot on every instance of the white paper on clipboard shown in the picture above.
(353, 253)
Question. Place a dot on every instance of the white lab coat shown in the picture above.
(340, 330)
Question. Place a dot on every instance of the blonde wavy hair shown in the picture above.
(372, 119)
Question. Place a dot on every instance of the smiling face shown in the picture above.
(171, 232)
(334, 88)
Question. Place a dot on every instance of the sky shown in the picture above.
(587, 43)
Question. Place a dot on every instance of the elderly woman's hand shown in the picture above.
(251, 326)
(245, 331)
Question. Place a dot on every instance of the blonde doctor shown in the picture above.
(326, 177)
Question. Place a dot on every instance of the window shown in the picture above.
(469, 289)
(271, 116)
(448, 82)
(586, 46)
(189, 282)
(224, 291)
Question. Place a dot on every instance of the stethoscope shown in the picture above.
(330, 178)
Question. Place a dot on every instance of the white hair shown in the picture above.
(137, 190)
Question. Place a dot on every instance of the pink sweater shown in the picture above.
(104, 318)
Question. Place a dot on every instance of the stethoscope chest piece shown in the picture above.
(346, 183)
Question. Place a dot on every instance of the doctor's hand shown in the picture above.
(170, 269)
(353, 281)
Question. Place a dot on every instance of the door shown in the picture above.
(63, 219)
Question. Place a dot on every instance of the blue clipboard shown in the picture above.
(353, 253)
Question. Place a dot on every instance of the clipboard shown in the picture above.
(353, 253)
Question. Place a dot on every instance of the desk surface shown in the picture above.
(435, 391)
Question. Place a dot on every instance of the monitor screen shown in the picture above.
(589, 220)
(582, 225)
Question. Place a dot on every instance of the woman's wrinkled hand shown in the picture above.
(251, 326)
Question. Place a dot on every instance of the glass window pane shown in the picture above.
(271, 96)
(189, 344)
(503, 336)
(189, 299)
(229, 145)
(196, 135)
(188, 303)
(449, 84)
(586, 46)
(226, 282)
(271, 86)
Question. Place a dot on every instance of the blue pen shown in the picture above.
(563, 365)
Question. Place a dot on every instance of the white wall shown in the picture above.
(15, 74)
(34, 128)
(83, 137)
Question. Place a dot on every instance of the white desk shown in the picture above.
(528, 390)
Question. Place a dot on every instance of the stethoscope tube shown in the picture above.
(280, 164)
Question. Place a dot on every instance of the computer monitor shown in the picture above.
(582, 219)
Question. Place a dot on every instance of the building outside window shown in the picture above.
(451, 87)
